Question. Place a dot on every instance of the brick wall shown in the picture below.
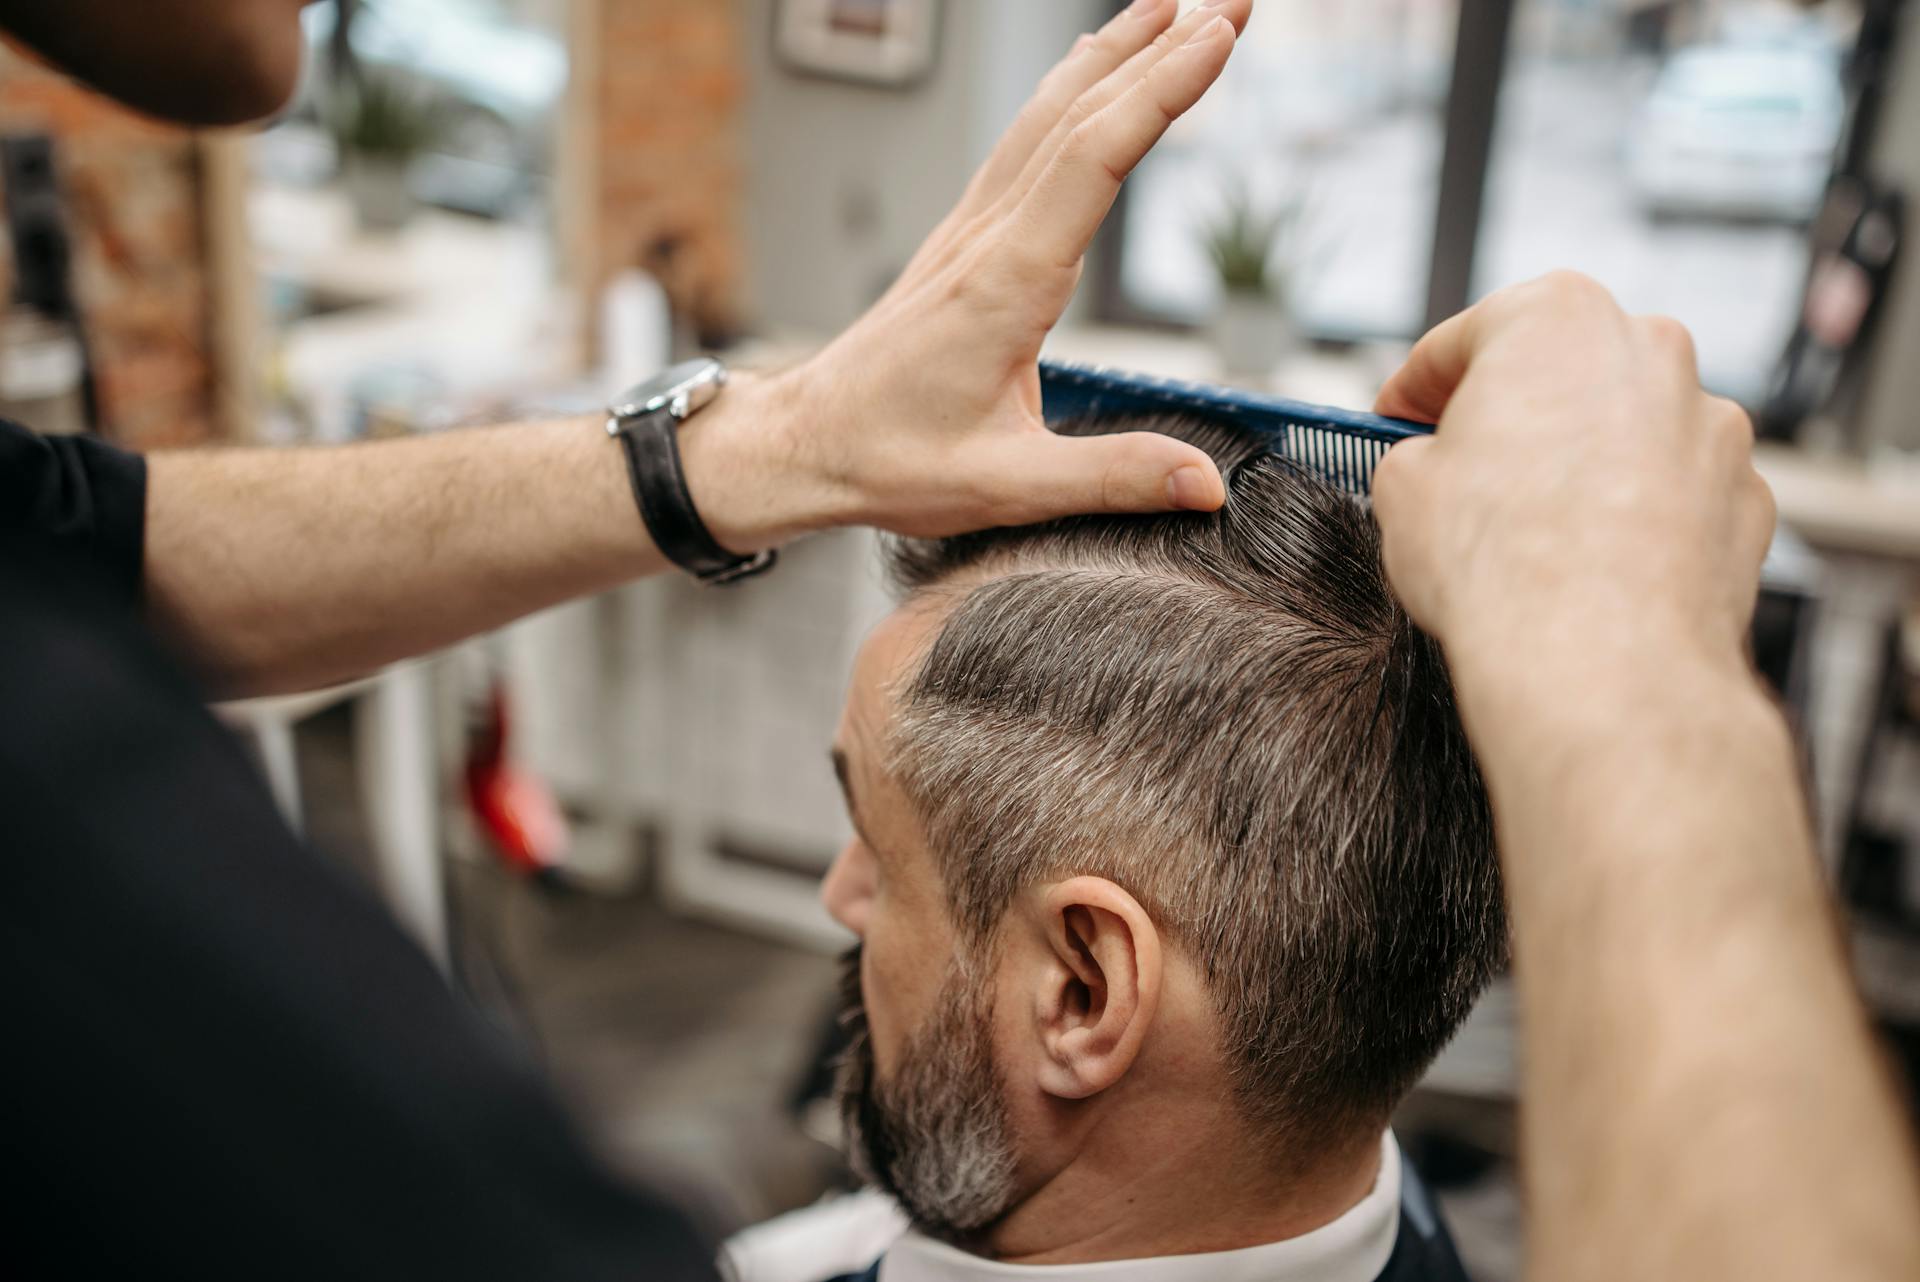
(133, 192)
(672, 92)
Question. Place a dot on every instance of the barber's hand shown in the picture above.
(924, 417)
(1583, 497)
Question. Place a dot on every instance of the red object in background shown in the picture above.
(513, 807)
(1838, 299)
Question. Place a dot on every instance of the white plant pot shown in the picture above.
(377, 187)
(1253, 333)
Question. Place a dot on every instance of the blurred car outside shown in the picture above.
(1739, 132)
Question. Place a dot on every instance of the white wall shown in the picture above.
(845, 180)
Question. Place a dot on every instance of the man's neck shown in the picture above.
(1135, 1196)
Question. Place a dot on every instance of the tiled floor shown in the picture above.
(679, 1044)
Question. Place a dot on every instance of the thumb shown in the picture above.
(1421, 388)
(1050, 476)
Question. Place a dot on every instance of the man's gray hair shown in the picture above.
(1230, 716)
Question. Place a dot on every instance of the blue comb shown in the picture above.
(1342, 446)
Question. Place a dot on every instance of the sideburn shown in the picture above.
(936, 1137)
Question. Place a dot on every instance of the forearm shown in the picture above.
(287, 569)
(1679, 1003)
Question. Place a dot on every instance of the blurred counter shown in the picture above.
(1843, 505)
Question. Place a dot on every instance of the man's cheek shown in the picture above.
(887, 1009)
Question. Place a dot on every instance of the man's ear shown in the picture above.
(1099, 988)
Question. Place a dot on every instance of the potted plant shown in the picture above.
(1252, 329)
(379, 127)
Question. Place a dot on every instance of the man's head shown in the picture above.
(1161, 818)
(199, 62)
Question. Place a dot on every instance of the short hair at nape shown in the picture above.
(1229, 715)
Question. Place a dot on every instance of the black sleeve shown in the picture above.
(221, 1058)
(80, 495)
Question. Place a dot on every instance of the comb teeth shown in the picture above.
(1341, 459)
(1340, 446)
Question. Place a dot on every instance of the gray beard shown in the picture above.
(935, 1136)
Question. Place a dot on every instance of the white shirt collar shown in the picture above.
(1353, 1248)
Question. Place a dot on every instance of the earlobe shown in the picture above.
(1102, 986)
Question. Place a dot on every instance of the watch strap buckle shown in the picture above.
(758, 563)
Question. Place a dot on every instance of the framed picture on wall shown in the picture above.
(879, 42)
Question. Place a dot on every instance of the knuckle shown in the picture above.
(1729, 431)
(1669, 335)
(1081, 142)
(997, 281)
(1754, 516)
(1011, 270)
(1042, 108)
(1766, 508)
(1570, 288)
(1079, 111)
(1558, 293)
(1113, 42)
(1084, 152)
(1733, 422)
(1664, 328)
(976, 285)
(1163, 99)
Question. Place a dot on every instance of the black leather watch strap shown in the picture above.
(652, 445)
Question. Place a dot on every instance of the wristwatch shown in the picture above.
(646, 421)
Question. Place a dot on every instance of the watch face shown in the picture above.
(685, 380)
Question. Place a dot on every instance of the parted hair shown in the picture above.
(1229, 715)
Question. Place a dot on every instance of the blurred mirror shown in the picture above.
(403, 212)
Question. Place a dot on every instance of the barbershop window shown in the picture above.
(1675, 149)
(1330, 115)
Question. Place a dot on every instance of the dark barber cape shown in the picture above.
(221, 1058)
